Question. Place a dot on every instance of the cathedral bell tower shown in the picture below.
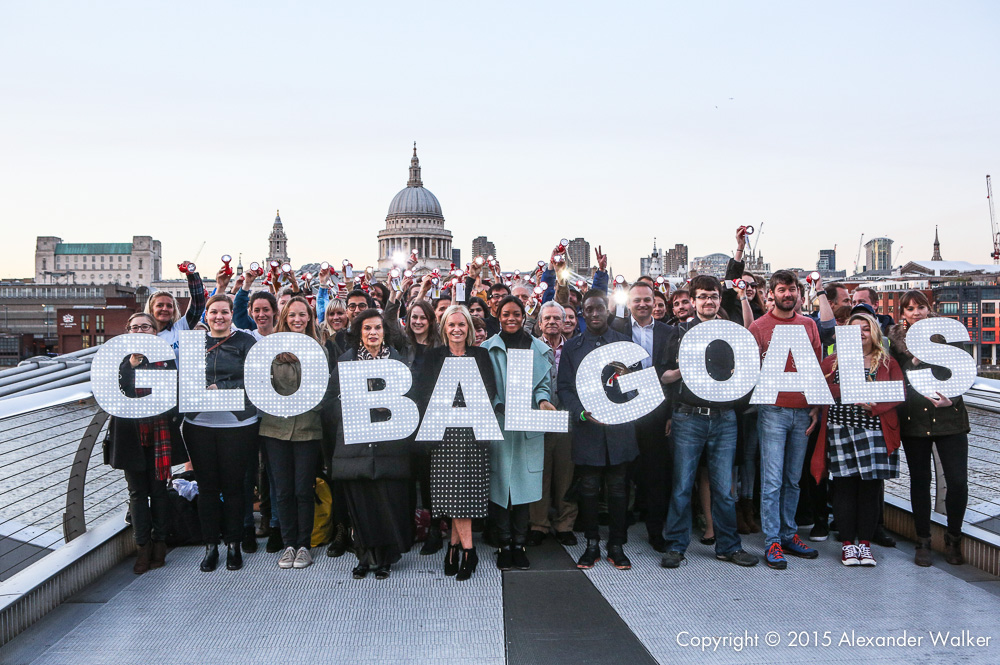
(278, 242)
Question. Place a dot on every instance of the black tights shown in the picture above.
(953, 451)
(856, 507)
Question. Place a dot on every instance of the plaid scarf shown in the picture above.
(155, 432)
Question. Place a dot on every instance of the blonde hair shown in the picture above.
(163, 294)
(325, 330)
(470, 335)
(879, 356)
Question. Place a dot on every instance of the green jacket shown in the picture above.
(918, 417)
(286, 377)
(517, 462)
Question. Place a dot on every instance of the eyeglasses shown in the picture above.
(354, 306)
(144, 327)
(704, 297)
(497, 296)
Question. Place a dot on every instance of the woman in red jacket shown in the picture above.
(858, 446)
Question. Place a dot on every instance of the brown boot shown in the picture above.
(159, 555)
(953, 549)
(743, 525)
(143, 553)
(922, 556)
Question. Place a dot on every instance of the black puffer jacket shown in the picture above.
(385, 460)
(918, 417)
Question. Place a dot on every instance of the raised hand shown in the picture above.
(602, 259)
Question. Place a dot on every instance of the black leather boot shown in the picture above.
(519, 557)
(505, 559)
(234, 557)
(433, 544)
(339, 543)
(211, 559)
(249, 540)
(451, 560)
(590, 555)
(469, 562)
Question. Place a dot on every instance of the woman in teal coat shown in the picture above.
(516, 463)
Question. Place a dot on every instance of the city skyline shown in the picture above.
(678, 123)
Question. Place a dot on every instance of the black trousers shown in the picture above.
(953, 450)
(856, 507)
(510, 522)
(147, 502)
(293, 466)
(653, 471)
(590, 489)
(220, 456)
(813, 496)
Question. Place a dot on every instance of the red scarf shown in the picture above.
(155, 432)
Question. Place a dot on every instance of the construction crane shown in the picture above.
(896, 258)
(857, 257)
(757, 239)
(993, 222)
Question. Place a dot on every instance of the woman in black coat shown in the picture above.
(222, 443)
(460, 465)
(145, 449)
(374, 475)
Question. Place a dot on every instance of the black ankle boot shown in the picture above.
(433, 544)
(211, 559)
(519, 557)
(451, 560)
(234, 556)
(249, 544)
(469, 562)
(339, 544)
(505, 559)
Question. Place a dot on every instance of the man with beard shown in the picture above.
(783, 429)
(681, 306)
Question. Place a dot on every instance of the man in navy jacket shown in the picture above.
(599, 451)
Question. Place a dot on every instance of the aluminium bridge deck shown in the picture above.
(178, 615)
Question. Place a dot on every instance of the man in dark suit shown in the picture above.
(652, 469)
(600, 452)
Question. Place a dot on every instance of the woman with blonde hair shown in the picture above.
(459, 464)
(858, 446)
(163, 307)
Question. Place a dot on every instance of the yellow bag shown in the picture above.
(323, 516)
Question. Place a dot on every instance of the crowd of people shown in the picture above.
(721, 470)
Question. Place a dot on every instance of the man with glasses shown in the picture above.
(700, 426)
(497, 293)
(783, 429)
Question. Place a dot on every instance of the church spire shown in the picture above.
(414, 180)
(277, 219)
(937, 246)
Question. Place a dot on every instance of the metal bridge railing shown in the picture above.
(52, 486)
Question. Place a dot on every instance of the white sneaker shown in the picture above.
(303, 559)
(865, 554)
(849, 555)
(287, 559)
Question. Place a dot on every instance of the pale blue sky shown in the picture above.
(614, 121)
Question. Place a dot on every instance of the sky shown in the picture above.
(194, 122)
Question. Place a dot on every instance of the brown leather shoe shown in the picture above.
(953, 550)
(922, 555)
(159, 555)
(142, 559)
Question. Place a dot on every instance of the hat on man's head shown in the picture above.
(864, 308)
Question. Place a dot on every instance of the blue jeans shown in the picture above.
(692, 434)
(783, 442)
